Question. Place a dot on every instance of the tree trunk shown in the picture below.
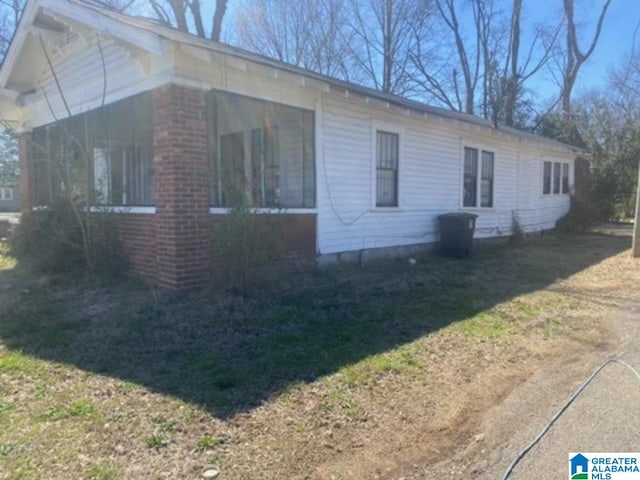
(221, 9)
(388, 57)
(635, 250)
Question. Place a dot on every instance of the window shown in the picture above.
(556, 177)
(546, 181)
(470, 176)
(486, 185)
(475, 185)
(261, 153)
(105, 155)
(6, 193)
(565, 178)
(387, 156)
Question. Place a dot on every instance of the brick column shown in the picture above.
(27, 181)
(182, 187)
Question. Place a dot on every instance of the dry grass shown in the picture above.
(348, 375)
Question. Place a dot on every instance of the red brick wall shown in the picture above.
(182, 187)
(137, 232)
(296, 234)
(26, 172)
(173, 247)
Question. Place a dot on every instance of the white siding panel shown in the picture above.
(79, 70)
(430, 180)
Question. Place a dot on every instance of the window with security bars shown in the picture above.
(478, 178)
(387, 158)
(470, 176)
(486, 181)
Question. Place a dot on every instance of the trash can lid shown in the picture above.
(463, 215)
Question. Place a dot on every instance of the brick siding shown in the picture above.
(27, 184)
(296, 234)
(137, 232)
(173, 247)
(182, 187)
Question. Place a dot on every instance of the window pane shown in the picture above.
(283, 156)
(141, 173)
(486, 188)
(309, 169)
(96, 125)
(272, 165)
(104, 156)
(76, 159)
(556, 177)
(565, 178)
(387, 157)
(123, 172)
(546, 182)
(232, 168)
(470, 177)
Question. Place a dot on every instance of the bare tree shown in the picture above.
(384, 35)
(10, 13)
(575, 56)
(518, 70)
(307, 33)
(486, 68)
(181, 14)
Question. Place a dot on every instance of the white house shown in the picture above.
(177, 129)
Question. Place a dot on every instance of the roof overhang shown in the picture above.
(48, 22)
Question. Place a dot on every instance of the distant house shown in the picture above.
(9, 197)
(179, 129)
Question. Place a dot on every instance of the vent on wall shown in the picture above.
(72, 37)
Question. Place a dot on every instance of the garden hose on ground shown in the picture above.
(553, 420)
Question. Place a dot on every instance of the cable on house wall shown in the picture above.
(104, 72)
(327, 183)
(563, 409)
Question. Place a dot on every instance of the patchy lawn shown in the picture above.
(349, 374)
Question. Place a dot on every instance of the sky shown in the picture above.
(614, 44)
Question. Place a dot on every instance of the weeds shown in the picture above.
(156, 441)
(341, 355)
(101, 472)
(209, 443)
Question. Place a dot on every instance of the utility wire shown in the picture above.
(553, 420)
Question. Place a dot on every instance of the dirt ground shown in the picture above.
(609, 295)
(520, 329)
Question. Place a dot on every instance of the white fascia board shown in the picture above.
(57, 39)
(144, 40)
(9, 93)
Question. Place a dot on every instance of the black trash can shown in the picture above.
(456, 233)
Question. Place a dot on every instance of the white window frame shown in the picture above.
(560, 192)
(377, 126)
(480, 148)
(7, 194)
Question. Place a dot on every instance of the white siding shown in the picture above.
(431, 148)
(79, 69)
(430, 178)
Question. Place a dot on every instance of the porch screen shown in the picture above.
(261, 153)
(104, 156)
